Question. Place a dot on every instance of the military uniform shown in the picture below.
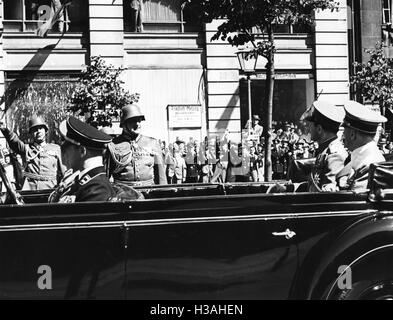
(134, 159)
(364, 120)
(135, 162)
(91, 184)
(329, 161)
(331, 154)
(43, 166)
(358, 168)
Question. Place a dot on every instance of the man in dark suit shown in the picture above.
(82, 151)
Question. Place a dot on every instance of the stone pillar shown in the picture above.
(107, 30)
(371, 25)
(2, 67)
(222, 85)
(331, 55)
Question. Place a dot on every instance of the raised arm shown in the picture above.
(17, 145)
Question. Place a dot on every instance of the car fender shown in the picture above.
(340, 248)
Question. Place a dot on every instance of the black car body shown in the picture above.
(215, 241)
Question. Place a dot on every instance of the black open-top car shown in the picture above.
(202, 241)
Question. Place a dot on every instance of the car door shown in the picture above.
(227, 247)
(61, 251)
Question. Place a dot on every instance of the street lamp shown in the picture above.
(248, 64)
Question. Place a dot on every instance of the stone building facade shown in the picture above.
(170, 60)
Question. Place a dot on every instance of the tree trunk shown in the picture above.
(269, 114)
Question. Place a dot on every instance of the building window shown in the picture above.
(25, 15)
(291, 97)
(387, 31)
(286, 29)
(387, 12)
(162, 16)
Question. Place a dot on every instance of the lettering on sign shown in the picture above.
(286, 76)
(185, 116)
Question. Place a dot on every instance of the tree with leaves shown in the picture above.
(100, 95)
(241, 17)
(373, 80)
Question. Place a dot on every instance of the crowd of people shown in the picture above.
(196, 162)
(185, 161)
(137, 160)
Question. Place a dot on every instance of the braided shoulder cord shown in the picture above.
(119, 164)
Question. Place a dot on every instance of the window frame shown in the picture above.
(388, 10)
(180, 25)
(24, 21)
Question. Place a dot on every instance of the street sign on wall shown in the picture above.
(185, 116)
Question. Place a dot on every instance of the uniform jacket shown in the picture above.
(361, 158)
(92, 185)
(135, 162)
(43, 166)
(178, 168)
(330, 158)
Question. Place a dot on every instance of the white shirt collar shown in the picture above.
(91, 163)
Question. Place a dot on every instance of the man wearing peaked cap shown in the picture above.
(360, 127)
(132, 158)
(43, 168)
(82, 151)
(324, 120)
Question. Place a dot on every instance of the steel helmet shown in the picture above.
(36, 121)
(130, 111)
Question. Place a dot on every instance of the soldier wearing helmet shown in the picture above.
(132, 158)
(43, 168)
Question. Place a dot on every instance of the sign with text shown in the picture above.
(185, 116)
(287, 76)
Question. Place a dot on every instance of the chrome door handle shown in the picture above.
(288, 234)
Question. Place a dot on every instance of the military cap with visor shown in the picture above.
(130, 111)
(80, 133)
(324, 113)
(36, 121)
(362, 118)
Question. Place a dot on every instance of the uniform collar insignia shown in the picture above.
(85, 179)
(87, 176)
